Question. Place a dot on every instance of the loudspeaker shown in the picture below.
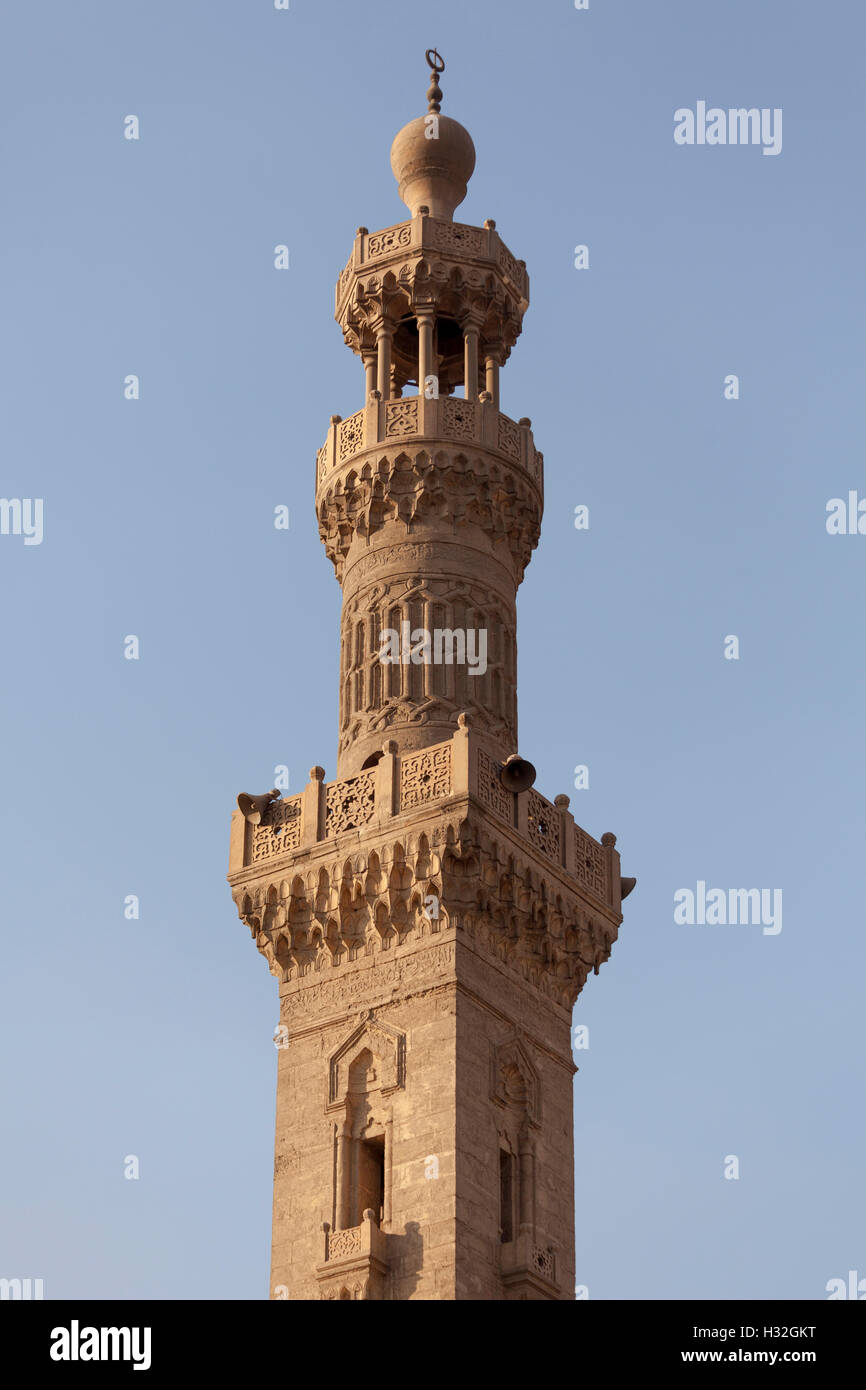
(252, 808)
(516, 774)
(625, 886)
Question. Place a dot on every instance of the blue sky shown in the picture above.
(707, 518)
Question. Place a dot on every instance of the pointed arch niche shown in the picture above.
(515, 1086)
(363, 1074)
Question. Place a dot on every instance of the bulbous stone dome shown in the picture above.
(433, 172)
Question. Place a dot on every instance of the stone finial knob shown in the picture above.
(490, 224)
(562, 801)
(436, 64)
(317, 774)
(463, 720)
(608, 838)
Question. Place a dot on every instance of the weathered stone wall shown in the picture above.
(494, 1011)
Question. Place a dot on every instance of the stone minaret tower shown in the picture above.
(430, 917)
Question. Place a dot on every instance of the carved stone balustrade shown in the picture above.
(481, 246)
(460, 769)
(423, 842)
(355, 1262)
(529, 1269)
(418, 418)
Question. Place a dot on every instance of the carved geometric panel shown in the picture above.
(513, 270)
(491, 790)
(425, 776)
(382, 242)
(342, 1243)
(351, 436)
(544, 826)
(457, 236)
(280, 832)
(458, 418)
(589, 863)
(401, 417)
(349, 804)
(509, 437)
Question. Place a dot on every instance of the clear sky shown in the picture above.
(707, 519)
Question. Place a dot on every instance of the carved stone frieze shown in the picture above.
(457, 490)
(378, 901)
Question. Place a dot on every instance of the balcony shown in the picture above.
(419, 419)
(340, 812)
(481, 246)
(528, 1269)
(355, 1262)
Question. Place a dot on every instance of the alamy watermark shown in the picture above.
(22, 516)
(11, 1289)
(444, 646)
(736, 126)
(846, 517)
(720, 907)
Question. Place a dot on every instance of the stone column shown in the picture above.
(344, 1177)
(369, 360)
(526, 1161)
(384, 334)
(471, 325)
(425, 316)
(491, 371)
(388, 1175)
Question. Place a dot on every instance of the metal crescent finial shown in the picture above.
(436, 64)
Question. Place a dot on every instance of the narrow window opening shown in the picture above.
(371, 1178)
(506, 1196)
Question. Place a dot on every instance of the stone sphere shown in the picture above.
(433, 172)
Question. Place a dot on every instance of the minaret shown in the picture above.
(431, 918)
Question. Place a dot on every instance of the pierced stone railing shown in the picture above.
(589, 862)
(483, 245)
(355, 1262)
(425, 776)
(443, 418)
(279, 831)
(527, 1264)
(349, 805)
(458, 768)
(544, 825)
(342, 1243)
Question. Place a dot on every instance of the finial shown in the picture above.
(436, 64)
